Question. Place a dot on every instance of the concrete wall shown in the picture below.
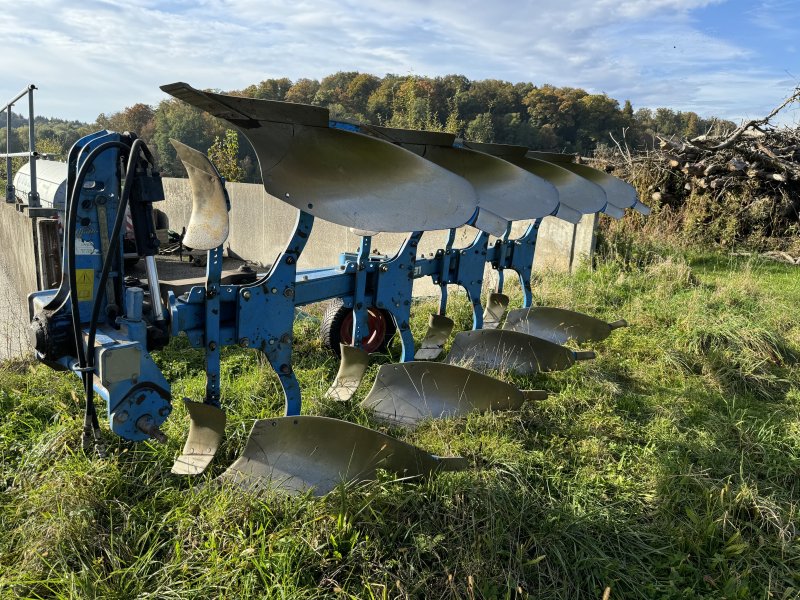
(261, 225)
(17, 279)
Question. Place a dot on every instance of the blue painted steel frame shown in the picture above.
(261, 315)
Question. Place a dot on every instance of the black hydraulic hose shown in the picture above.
(105, 271)
(113, 242)
(91, 424)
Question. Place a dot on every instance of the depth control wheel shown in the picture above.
(337, 328)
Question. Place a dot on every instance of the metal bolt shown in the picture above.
(285, 369)
(290, 260)
(121, 417)
(274, 290)
(288, 292)
(272, 342)
(246, 294)
(244, 342)
(384, 268)
(212, 345)
(145, 424)
(286, 338)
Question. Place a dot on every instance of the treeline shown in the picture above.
(545, 117)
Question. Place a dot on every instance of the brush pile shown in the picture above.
(755, 152)
(733, 187)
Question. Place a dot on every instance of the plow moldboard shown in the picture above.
(295, 454)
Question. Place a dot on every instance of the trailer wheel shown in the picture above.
(337, 328)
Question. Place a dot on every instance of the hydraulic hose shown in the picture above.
(85, 355)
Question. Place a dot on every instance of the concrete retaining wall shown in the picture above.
(261, 225)
(17, 279)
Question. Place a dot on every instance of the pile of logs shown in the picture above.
(756, 152)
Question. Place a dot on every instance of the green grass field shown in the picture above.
(667, 468)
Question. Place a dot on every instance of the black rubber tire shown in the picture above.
(331, 327)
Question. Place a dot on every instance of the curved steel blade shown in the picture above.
(503, 188)
(506, 151)
(489, 222)
(559, 325)
(577, 196)
(353, 365)
(295, 454)
(615, 212)
(503, 350)
(575, 191)
(439, 329)
(407, 393)
(347, 178)
(496, 306)
(568, 214)
(618, 192)
(208, 223)
(206, 429)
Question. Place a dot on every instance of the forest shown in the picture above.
(543, 117)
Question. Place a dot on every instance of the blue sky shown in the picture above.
(735, 59)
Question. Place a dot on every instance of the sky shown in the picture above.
(734, 59)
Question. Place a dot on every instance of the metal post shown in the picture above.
(9, 181)
(33, 195)
(155, 290)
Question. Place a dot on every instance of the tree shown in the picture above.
(224, 153)
(269, 89)
(177, 120)
(480, 129)
(303, 91)
(138, 119)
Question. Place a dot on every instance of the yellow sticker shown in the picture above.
(85, 280)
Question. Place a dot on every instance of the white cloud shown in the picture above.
(102, 55)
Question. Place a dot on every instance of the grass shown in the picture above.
(666, 468)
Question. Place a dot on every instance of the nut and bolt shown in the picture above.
(246, 294)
